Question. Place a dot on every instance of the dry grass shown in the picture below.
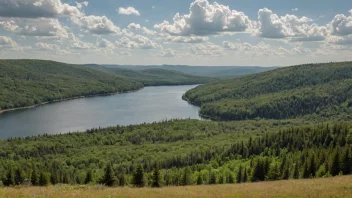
(326, 187)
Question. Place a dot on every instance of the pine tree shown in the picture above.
(239, 175)
(89, 177)
(212, 179)
(274, 173)
(138, 177)
(108, 179)
(312, 166)
(34, 177)
(231, 179)
(306, 170)
(53, 178)
(199, 179)
(296, 172)
(245, 176)
(122, 180)
(346, 162)
(9, 179)
(19, 177)
(156, 177)
(43, 179)
(335, 164)
(187, 176)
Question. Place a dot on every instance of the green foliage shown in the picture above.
(44, 179)
(156, 177)
(34, 177)
(109, 178)
(155, 77)
(32, 82)
(138, 177)
(317, 89)
(19, 177)
(89, 177)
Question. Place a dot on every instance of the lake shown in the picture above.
(148, 105)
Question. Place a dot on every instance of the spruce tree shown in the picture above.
(187, 176)
(199, 179)
(43, 179)
(34, 177)
(296, 172)
(9, 179)
(212, 179)
(231, 179)
(239, 175)
(89, 177)
(245, 176)
(138, 177)
(108, 179)
(19, 177)
(335, 164)
(156, 177)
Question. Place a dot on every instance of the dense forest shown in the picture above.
(322, 89)
(181, 152)
(206, 71)
(31, 82)
(155, 76)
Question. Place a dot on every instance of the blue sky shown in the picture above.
(197, 32)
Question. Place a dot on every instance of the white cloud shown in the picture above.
(184, 39)
(76, 43)
(104, 43)
(37, 9)
(41, 27)
(97, 24)
(273, 26)
(134, 26)
(206, 19)
(341, 25)
(137, 42)
(7, 42)
(9, 25)
(129, 11)
(207, 49)
(80, 5)
(148, 31)
(294, 9)
(171, 53)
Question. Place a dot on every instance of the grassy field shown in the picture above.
(324, 187)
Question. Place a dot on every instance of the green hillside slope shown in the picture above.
(155, 76)
(30, 82)
(282, 93)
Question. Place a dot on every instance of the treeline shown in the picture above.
(155, 77)
(321, 150)
(31, 82)
(278, 94)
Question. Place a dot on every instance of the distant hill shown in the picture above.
(318, 89)
(209, 71)
(155, 76)
(31, 82)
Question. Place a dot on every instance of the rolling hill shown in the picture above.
(155, 76)
(32, 82)
(319, 89)
(208, 71)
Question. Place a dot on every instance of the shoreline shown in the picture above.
(55, 101)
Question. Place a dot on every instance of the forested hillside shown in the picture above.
(207, 71)
(181, 152)
(319, 89)
(31, 82)
(155, 76)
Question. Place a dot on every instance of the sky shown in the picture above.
(177, 32)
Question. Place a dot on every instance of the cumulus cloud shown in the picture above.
(206, 19)
(129, 11)
(341, 25)
(80, 5)
(96, 24)
(137, 42)
(184, 39)
(9, 25)
(207, 49)
(7, 42)
(42, 27)
(273, 26)
(104, 43)
(37, 9)
(134, 26)
(171, 53)
(76, 43)
(148, 31)
(294, 9)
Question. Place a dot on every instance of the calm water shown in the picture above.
(147, 105)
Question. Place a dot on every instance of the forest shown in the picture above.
(181, 152)
(296, 91)
(155, 76)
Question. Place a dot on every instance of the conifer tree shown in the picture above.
(89, 177)
(239, 175)
(43, 179)
(296, 172)
(187, 176)
(245, 176)
(199, 179)
(156, 177)
(231, 179)
(212, 179)
(9, 179)
(108, 179)
(19, 177)
(34, 177)
(138, 177)
(335, 164)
